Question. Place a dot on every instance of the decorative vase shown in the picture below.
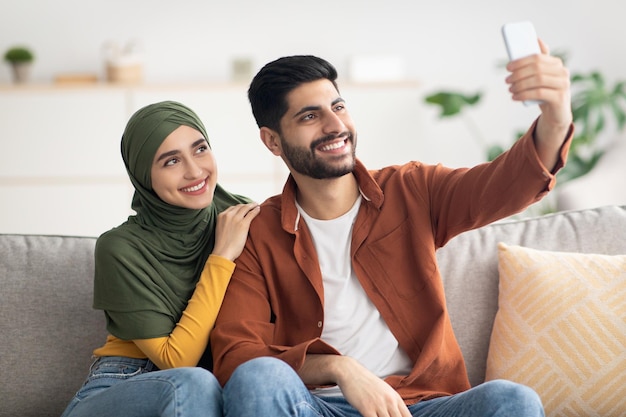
(21, 72)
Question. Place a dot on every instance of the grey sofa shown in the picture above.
(49, 328)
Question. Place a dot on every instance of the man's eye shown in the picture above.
(308, 116)
(339, 107)
(202, 148)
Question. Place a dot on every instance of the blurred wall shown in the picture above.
(447, 41)
(444, 44)
(451, 44)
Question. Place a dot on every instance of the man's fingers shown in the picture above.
(543, 47)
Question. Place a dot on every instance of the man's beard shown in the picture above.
(305, 162)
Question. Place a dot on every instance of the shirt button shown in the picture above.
(319, 324)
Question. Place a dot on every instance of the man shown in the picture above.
(336, 307)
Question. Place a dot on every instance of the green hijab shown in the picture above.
(146, 269)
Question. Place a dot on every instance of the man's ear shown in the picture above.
(271, 140)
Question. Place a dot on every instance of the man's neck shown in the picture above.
(329, 198)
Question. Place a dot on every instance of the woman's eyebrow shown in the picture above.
(167, 154)
(198, 142)
(176, 151)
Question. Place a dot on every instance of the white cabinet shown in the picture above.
(62, 171)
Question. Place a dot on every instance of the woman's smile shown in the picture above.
(195, 188)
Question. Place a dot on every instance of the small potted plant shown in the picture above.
(20, 58)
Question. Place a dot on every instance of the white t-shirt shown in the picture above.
(352, 324)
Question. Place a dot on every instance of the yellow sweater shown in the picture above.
(189, 338)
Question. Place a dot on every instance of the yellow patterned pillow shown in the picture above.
(561, 329)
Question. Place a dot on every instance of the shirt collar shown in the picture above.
(368, 187)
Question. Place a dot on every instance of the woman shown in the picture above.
(160, 277)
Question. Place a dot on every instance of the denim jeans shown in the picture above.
(119, 386)
(271, 388)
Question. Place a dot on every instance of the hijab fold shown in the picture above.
(147, 268)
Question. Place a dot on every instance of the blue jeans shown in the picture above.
(119, 386)
(268, 387)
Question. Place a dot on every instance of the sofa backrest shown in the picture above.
(469, 266)
(49, 328)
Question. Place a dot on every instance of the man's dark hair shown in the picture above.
(269, 88)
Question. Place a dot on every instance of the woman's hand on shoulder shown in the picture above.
(232, 228)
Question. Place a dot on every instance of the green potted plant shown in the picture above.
(20, 58)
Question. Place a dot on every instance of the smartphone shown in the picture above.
(520, 39)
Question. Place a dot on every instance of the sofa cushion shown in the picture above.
(49, 328)
(561, 329)
(469, 266)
